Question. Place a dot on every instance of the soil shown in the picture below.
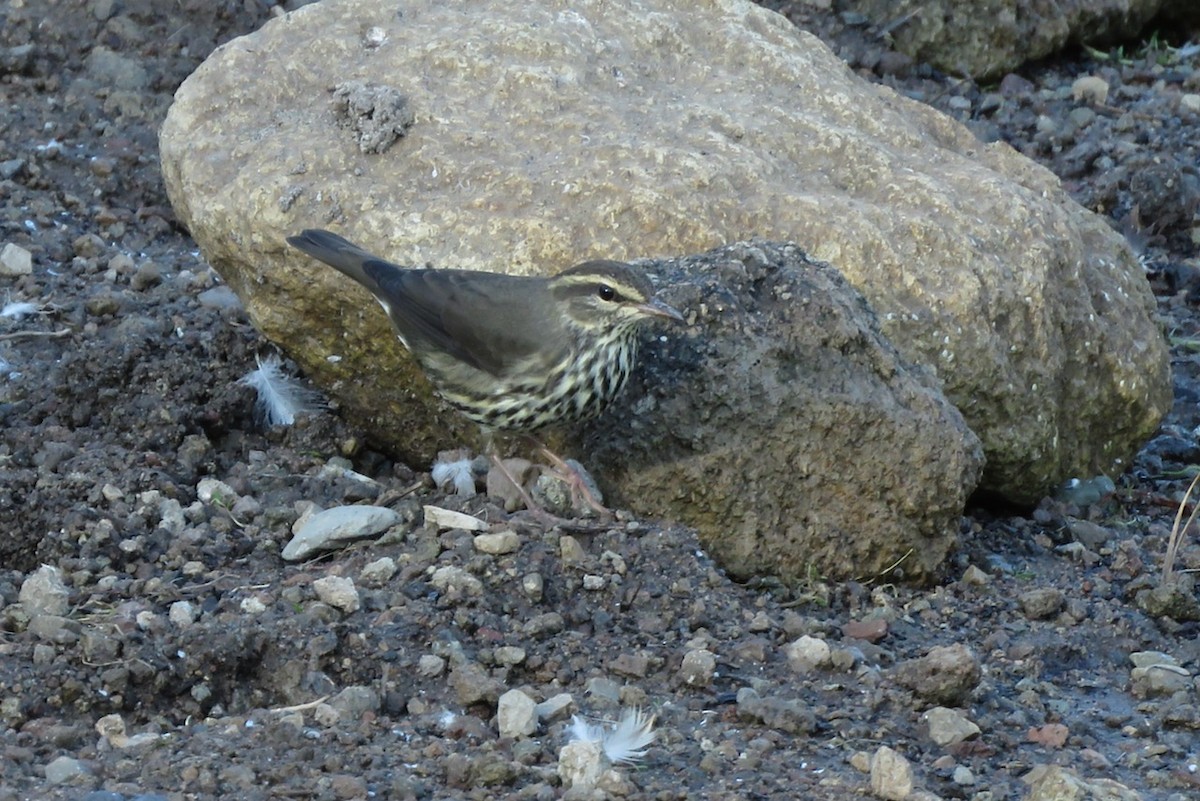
(131, 461)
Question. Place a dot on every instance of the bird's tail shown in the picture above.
(336, 251)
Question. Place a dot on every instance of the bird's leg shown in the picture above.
(533, 506)
(579, 487)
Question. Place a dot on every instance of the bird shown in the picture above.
(511, 353)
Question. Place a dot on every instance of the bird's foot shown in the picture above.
(579, 484)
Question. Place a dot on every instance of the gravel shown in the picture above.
(169, 651)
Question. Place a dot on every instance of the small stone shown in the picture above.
(430, 666)
(516, 715)
(593, 582)
(1090, 89)
(218, 493)
(15, 261)
(472, 684)
(326, 715)
(963, 776)
(1175, 599)
(872, 630)
(1052, 735)
(948, 726)
(1149, 658)
(946, 675)
(635, 665)
(975, 577)
(252, 605)
(1159, 680)
(1041, 603)
(44, 593)
(570, 551)
(181, 614)
(64, 769)
(219, 297)
(555, 708)
(532, 585)
(355, 701)
(807, 654)
(698, 668)
(451, 579)
(1190, 102)
(332, 528)
(497, 543)
(891, 775)
(147, 276)
(379, 572)
(509, 655)
(445, 519)
(337, 591)
(580, 764)
(1053, 783)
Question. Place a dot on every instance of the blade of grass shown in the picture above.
(1177, 531)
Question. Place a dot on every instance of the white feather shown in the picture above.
(280, 397)
(457, 472)
(625, 742)
(16, 310)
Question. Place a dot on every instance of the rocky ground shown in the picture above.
(1051, 655)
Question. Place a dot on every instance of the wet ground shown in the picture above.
(131, 460)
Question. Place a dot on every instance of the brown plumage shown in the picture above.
(509, 352)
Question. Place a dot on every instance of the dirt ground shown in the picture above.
(131, 460)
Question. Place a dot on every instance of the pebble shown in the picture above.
(698, 667)
(555, 708)
(949, 726)
(379, 572)
(891, 775)
(509, 655)
(337, 591)
(1041, 603)
(1090, 89)
(252, 605)
(44, 593)
(355, 701)
(64, 769)
(333, 527)
(516, 715)
(1054, 783)
(451, 579)
(219, 297)
(946, 675)
(430, 666)
(215, 491)
(1159, 680)
(181, 614)
(497, 543)
(580, 764)
(807, 654)
(15, 261)
(444, 519)
(532, 584)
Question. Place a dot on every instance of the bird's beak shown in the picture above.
(656, 308)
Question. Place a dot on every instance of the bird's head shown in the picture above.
(607, 295)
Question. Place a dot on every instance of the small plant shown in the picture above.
(1178, 529)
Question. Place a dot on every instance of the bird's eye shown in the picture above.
(606, 292)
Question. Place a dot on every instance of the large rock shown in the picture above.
(986, 38)
(786, 429)
(654, 128)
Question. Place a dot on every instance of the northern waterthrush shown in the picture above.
(514, 353)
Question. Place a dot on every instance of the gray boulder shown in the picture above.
(479, 136)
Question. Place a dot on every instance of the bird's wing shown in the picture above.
(495, 323)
